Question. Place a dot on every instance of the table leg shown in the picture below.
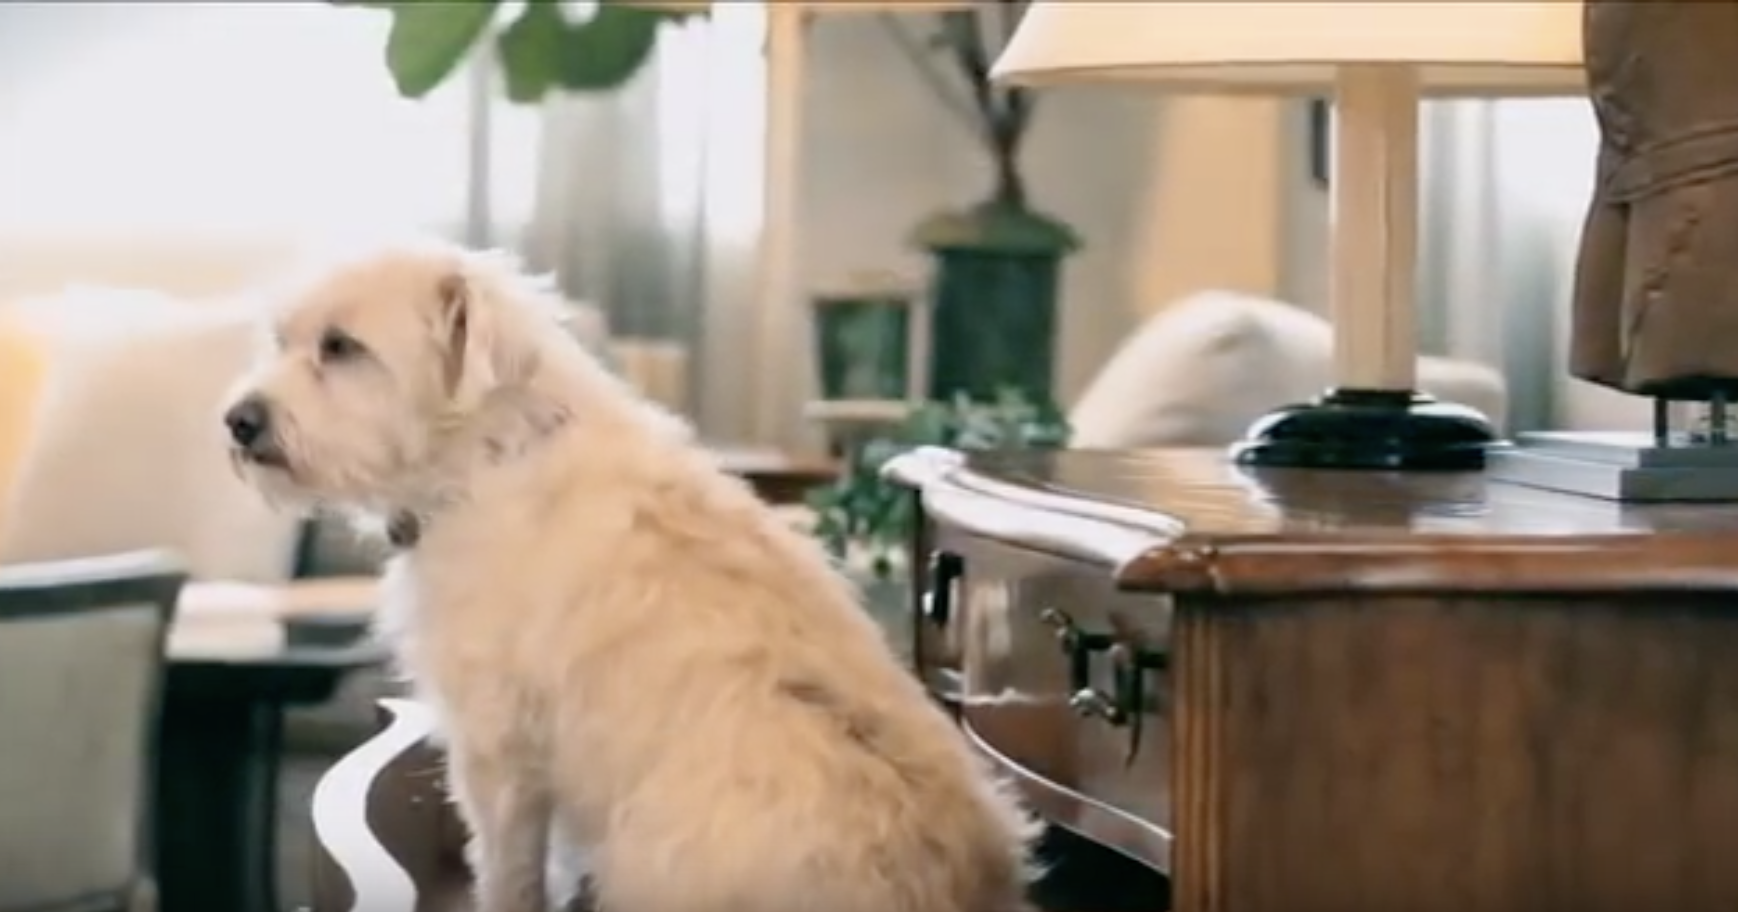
(216, 804)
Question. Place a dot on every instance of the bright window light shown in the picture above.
(239, 117)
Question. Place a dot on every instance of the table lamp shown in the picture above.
(1376, 59)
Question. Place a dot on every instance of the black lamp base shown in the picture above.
(1392, 430)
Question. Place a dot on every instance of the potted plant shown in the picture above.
(541, 50)
(998, 263)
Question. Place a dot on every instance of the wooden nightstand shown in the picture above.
(1346, 692)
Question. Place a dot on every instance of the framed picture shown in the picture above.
(1320, 133)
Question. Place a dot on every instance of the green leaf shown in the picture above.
(430, 38)
(530, 50)
(605, 51)
(673, 11)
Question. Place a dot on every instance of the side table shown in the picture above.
(217, 769)
(1351, 691)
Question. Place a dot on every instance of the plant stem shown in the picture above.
(1005, 113)
(921, 61)
(1010, 186)
(1012, 11)
(967, 42)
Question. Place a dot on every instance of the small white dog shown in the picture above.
(636, 663)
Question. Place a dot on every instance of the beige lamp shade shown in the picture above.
(1501, 48)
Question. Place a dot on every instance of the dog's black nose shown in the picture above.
(248, 421)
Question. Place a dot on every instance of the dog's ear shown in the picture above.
(476, 355)
(454, 330)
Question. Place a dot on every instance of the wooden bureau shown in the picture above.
(1297, 691)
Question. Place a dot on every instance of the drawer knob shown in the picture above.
(1092, 703)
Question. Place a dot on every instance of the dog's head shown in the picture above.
(374, 366)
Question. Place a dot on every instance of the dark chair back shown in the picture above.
(81, 676)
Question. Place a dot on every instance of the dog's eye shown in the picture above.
(336, 346)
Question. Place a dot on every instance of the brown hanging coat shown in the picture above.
(1656, 283)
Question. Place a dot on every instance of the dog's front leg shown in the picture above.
(509, 820)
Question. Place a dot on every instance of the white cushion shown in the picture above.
(1200, 371)
(126, 450)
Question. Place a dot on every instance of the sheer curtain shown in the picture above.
(137, 138)
(222, 119)
(1505, 188)
(648, 207)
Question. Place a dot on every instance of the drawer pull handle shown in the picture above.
(1079, 645)
(1129, 667)
(945, 569)
(1128, 702)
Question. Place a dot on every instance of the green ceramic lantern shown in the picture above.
(998, 265)
(993, 299)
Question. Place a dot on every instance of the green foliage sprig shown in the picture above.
(864, 511)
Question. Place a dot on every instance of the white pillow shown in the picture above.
(127, 448)
(1200, 371)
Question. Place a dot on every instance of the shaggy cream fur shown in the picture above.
(626, 648)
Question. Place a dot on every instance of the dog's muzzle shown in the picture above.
(250, 431)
